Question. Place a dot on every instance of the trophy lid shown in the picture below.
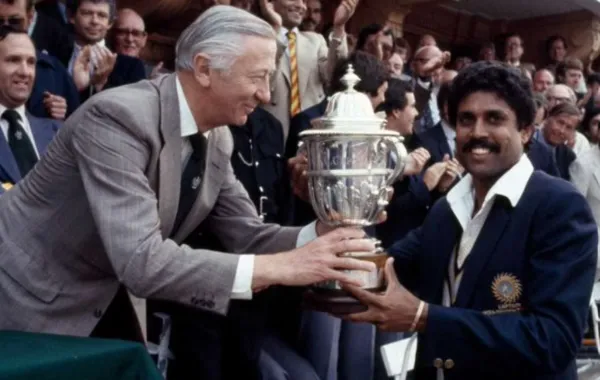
(349, 109)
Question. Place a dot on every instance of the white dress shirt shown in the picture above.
(242, 283)
(433, 106)
(462, 203)
(24, 124)
(450, 134)
(283, 37)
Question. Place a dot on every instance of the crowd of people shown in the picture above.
(122, 181)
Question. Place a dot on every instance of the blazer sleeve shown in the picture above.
(329, 57)
(545, 336)
(236, 223)
(406, 253)
(417, 196)
(112, 157)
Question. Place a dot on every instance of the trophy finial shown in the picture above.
(350, 79)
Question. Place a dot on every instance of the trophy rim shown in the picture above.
(326, 132)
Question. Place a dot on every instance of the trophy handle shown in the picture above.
(395, 145)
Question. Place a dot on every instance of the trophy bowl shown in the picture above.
(352, 162)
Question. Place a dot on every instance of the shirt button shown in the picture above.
(449, 364)
(438, 363)
(256, 164)
(97, 313)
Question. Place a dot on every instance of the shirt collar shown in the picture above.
(511, 186)
(284, 31)
(187, 122)
(448, 131)
(186, 118)
(99, 43)
(20, 110)
(33, 22)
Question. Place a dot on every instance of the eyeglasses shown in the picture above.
(134, 32)
(14, 21)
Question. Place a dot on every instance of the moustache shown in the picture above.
(480, 143)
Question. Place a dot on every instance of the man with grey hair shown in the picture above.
(134, 172)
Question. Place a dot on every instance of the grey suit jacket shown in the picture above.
(98, 208)
(316, 63)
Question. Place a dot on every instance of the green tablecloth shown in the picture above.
(26, 356)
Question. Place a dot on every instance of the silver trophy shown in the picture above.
(352, 160)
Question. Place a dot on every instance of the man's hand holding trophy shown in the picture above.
(345, 168)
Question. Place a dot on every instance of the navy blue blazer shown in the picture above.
(51, 76)
(434, 140)
(43, 131)
(547, 244)
(127, 70)
(541, 156)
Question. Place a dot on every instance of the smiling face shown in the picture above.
(560, 128)
(130, 33)
(236, 92)
(17, 69)
(91, 21)
(291, 11)
(488, 140)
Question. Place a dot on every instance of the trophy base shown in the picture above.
(332, 301)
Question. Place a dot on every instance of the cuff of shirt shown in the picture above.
(242, 282)
(307, 234)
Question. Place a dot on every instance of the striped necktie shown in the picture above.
(294, 88)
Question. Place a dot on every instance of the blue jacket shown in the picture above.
(51, 76)
(548, 243)
(43, 131)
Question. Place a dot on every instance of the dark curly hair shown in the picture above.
(395, 96)
(507, 83)
(371, 71)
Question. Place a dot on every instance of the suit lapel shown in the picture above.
(304, 63)
(483, 249)
(41, 134)
(449, 233)
(169, 164)
(443, 141)
(284, 67)
(216, 159)
(7, 161)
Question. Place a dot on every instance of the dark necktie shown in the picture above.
(19, 142)
(191, 178)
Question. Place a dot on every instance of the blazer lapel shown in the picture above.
(284, 67)
(216, 159)
(485, 245)
(7, 161)
(169, 163)
(449, 235)
(443, 142)
(41, 134)
(304, 62)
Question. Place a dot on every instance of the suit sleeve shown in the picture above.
(417, 196)
(406, 253)
(236, 223)
(329, 57)
(546, 335)
(112, 160)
